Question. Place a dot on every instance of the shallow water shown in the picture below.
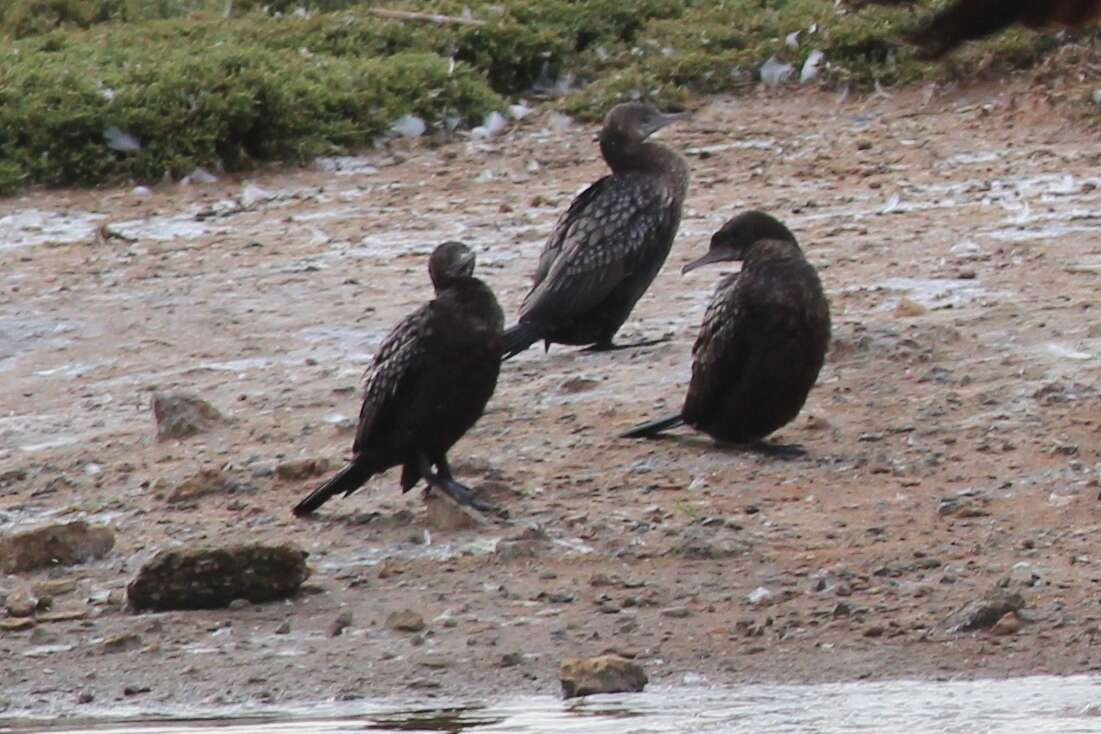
(1033, 705)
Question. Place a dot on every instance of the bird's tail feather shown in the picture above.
(518, 338)
(347, 480)
(653, 428)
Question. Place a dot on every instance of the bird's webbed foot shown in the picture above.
(610, 346)
(785, 451)
(461, 494)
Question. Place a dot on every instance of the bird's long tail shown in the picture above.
(653, 428)
(518, 338)
(347, 480)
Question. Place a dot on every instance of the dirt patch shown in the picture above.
(951, 442)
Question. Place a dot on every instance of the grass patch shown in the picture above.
(208, 82)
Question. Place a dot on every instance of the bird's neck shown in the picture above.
(624, 155)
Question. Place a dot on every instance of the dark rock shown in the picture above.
(54, 545)
(180, 415)
(603, 674)
(985, 612)
(284, 628)
(85, 697)
(210, 578)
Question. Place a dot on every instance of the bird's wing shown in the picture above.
(553, 247)
(399, 361)
(597, 242)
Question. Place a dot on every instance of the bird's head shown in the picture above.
(735, 238)
(635, 121)
(449, 262)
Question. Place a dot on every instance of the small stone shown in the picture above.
(206, 481)
(602, 674)
(134, 690)
(238, 604)
(677, 612)
(85, 697)
(529, 543)
(296, 469)
(874, 630)
(907, 308)
(284, 628)
(511, 659)
(405, 620)
(342, 622)
(180, 415)
(436, 662)
(759, 596)
(572, 385)
(121, 643)
(445, 514)
(21, 602)
(968, 503)
(54, 545)
(16, 624)
(54, 587)
(1008, 624)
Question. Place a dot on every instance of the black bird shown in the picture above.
(969, 20)
(608, 247)
(763, 339)
(428, 384)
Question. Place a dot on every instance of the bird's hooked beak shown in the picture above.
(657, 122)
(722, 253)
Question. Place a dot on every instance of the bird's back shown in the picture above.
(603, 254)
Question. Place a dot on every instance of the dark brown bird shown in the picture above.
(428, 384)
(763, 338)
(609, 245)
(969, 20)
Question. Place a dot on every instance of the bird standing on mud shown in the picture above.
(428, 384)
(969, 20)
(608, 247)
(763, 338)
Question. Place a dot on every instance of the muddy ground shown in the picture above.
(958, 236)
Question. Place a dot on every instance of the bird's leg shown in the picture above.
(444, 482)
(610, 346)
(778, 450)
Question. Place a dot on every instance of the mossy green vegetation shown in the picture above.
(234, 82)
